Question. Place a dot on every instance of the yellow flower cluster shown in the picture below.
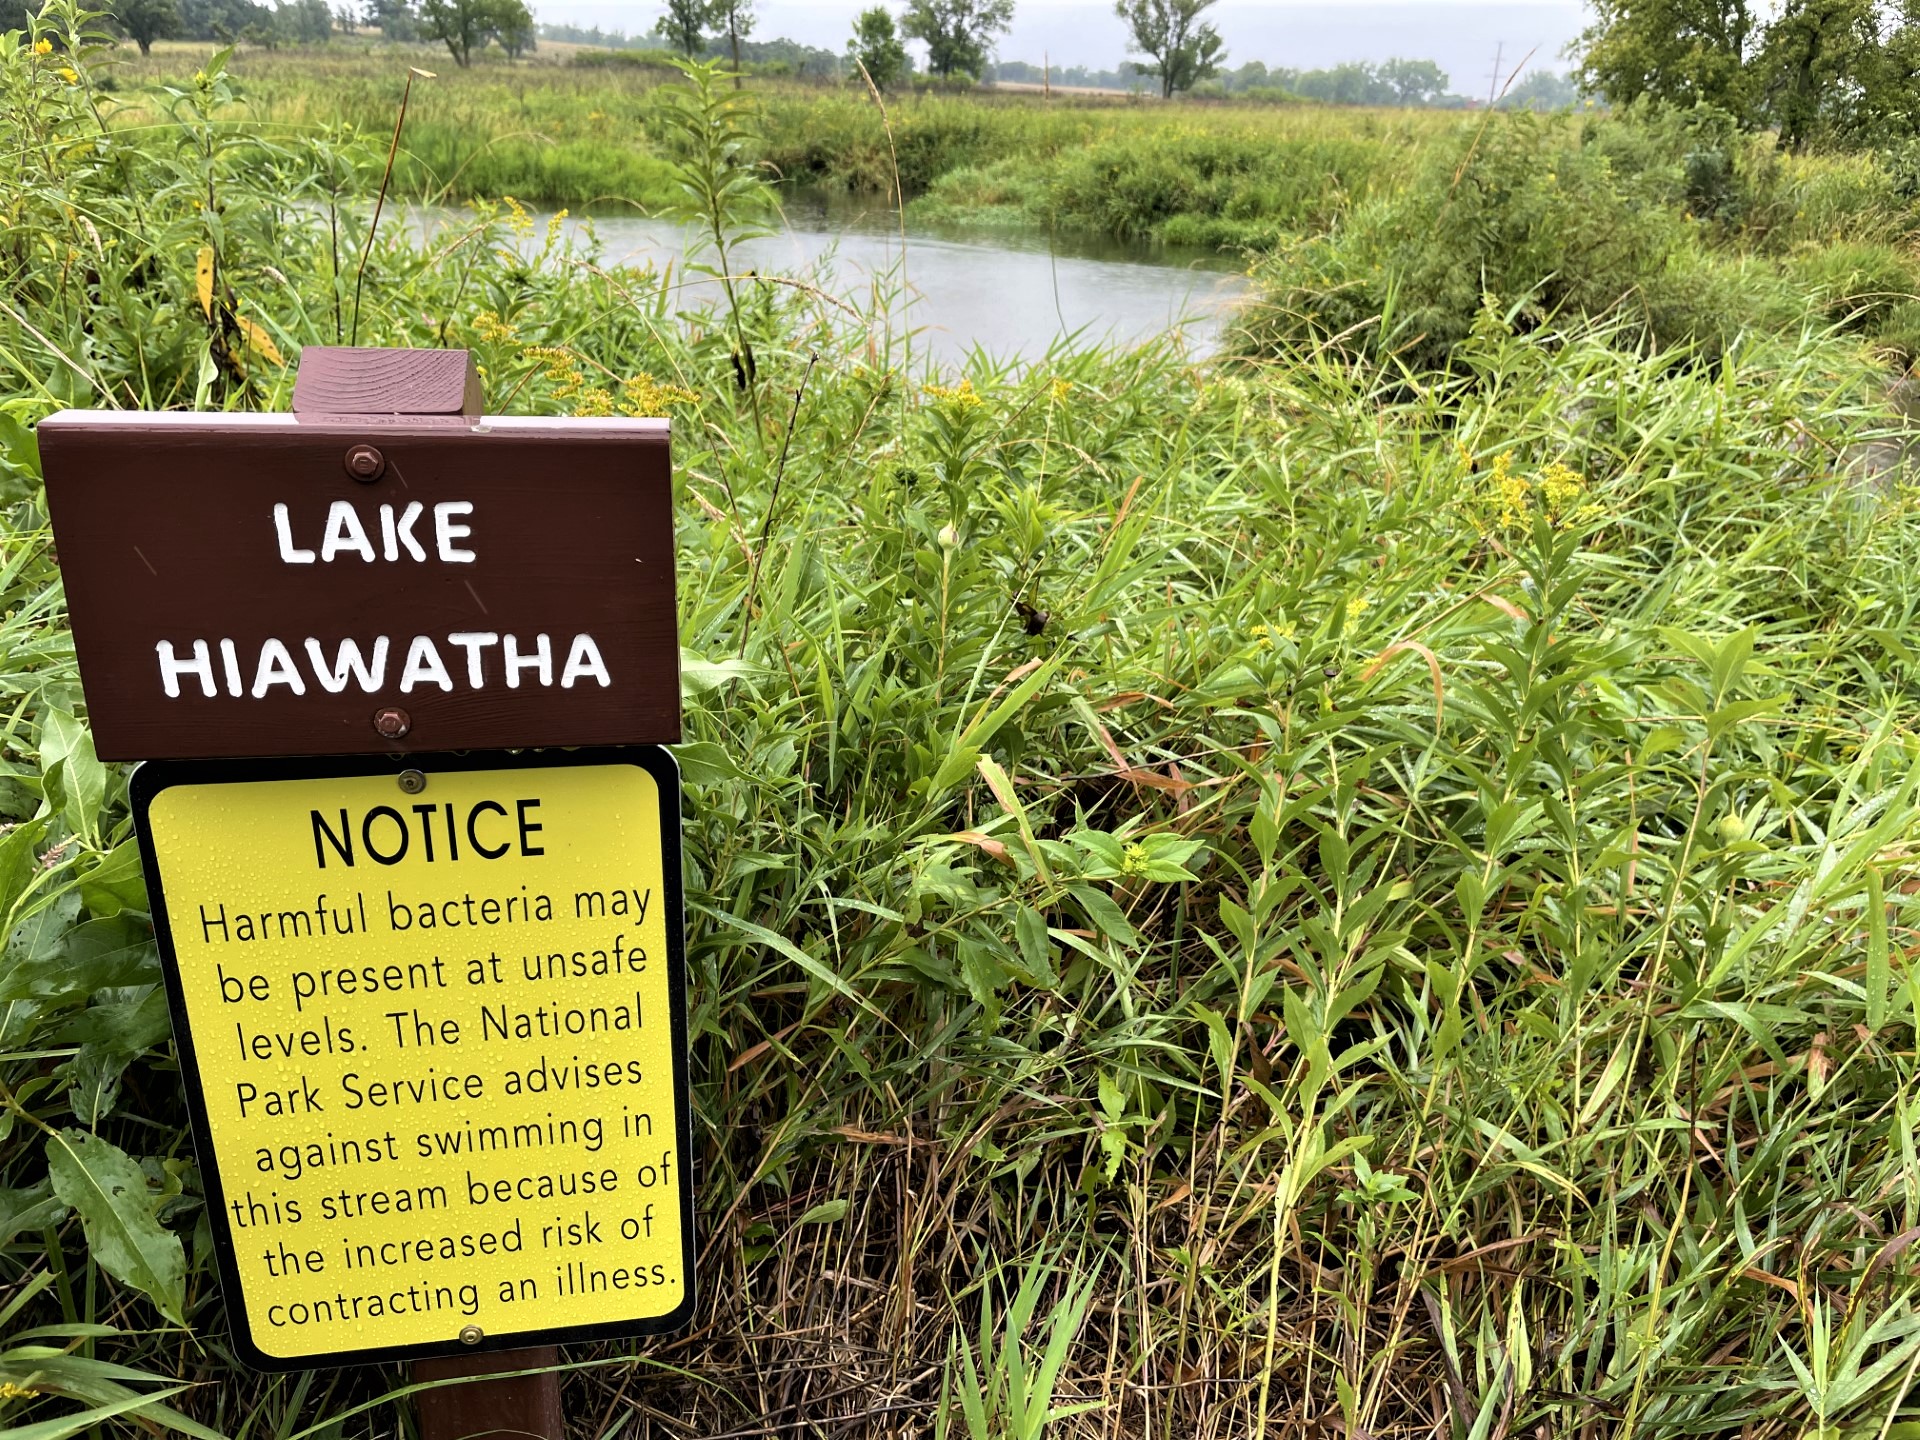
(643, 395)
(960, 397)
(491, 328)
(1279, 630)
(638, 396)
(1512, 500)
(518, 220)
(1059, 388)
(1510, 492)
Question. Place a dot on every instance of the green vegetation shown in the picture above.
(1688, 231)
(1831, 71)
(876, 51)
(1363, 888)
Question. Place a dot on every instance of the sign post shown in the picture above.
(425, 969)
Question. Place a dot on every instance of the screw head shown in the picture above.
(471, 1334)
(412, 782)
(365, 463)
(390, 722)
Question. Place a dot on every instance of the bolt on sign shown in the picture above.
(429, 1006)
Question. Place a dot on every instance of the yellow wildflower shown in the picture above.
(644, 395)
(1561, 485)
(961, 396)
(43, 47)
(68, 74)
(1279, 630)
(490, 327)
(518, 220)
(1059, 389)
(1511, 492)
(1357, 606)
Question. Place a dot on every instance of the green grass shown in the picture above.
(563, 134)
(1336, 897)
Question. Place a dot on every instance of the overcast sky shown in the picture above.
(1303, 34)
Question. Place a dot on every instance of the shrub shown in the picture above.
(1557, 221)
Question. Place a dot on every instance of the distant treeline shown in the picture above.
(286, 22)
(785, 57)
(1415, 83)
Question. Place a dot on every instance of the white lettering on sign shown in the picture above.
(191, 666)
(345, 533)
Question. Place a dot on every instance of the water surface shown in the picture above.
(1009, 293)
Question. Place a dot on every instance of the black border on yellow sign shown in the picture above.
(154, 777)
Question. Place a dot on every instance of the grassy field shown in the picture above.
(571, 134)
(1355, 896)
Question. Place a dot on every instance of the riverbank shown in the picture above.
(583, 136)
(1689, 229)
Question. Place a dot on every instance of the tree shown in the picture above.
(685, 23)
(146, 21)
(1413, 82)
(876, 47)
(1680, 52)
(466, 26)
(956, 32)
(1541, 90)
(223, 20)
(1818, 66)
(513, 27)
(736, 18)
(304, 22)
(1184, 49)
(395, 18)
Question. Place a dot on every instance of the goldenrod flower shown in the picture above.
(644, 395)
(961, 396)
(489, 326)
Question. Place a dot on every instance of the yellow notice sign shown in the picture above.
(432, 1017)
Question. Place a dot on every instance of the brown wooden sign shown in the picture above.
(329, 584)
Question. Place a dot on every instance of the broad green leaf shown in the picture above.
(109, 1192)
(827, 1212)
(1108, 918)
(117, 883)
(703, 677)
(67, 758)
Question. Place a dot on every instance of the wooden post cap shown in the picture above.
(358, 380)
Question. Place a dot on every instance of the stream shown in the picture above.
(1011, 294)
